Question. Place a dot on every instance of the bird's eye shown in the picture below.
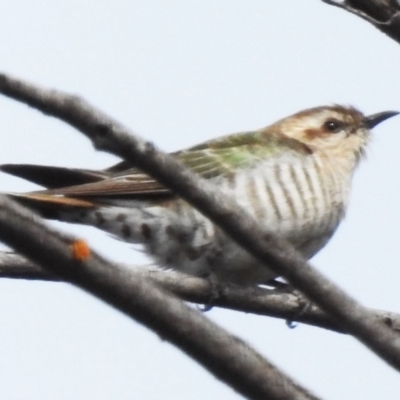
(333, 126)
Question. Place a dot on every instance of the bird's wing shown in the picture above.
(225, 155)
(217, 157)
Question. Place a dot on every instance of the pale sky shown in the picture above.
(181, 72)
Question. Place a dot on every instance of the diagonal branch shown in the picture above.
(383, 14)
(226, 356)
(256, 300)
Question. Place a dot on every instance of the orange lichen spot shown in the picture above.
(80, 250)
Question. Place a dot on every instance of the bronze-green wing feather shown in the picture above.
(225, 155)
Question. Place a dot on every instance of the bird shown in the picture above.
(293, 177)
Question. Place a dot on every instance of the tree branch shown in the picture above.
(383, 14)
(17, 267)
(226, 356)
(255, 300)
(109, 135)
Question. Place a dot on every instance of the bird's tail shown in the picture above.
(50, 206)
(54, 177)
(54, 207)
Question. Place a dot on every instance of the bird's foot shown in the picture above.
(304, 303)
(304, 306)
(215, 293)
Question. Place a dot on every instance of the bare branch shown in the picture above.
(17, 267)
(227, 357)
(383, 14)
(109, 135)
(255, 300)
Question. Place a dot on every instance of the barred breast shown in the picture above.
(302, 200)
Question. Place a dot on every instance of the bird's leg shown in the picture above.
(215, 292)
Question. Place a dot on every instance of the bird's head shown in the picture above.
(339, 130)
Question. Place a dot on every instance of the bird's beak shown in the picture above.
(372, 120)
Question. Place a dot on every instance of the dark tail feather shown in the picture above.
(52, 207)
(54, 177)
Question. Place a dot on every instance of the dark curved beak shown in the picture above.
(372, 120)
